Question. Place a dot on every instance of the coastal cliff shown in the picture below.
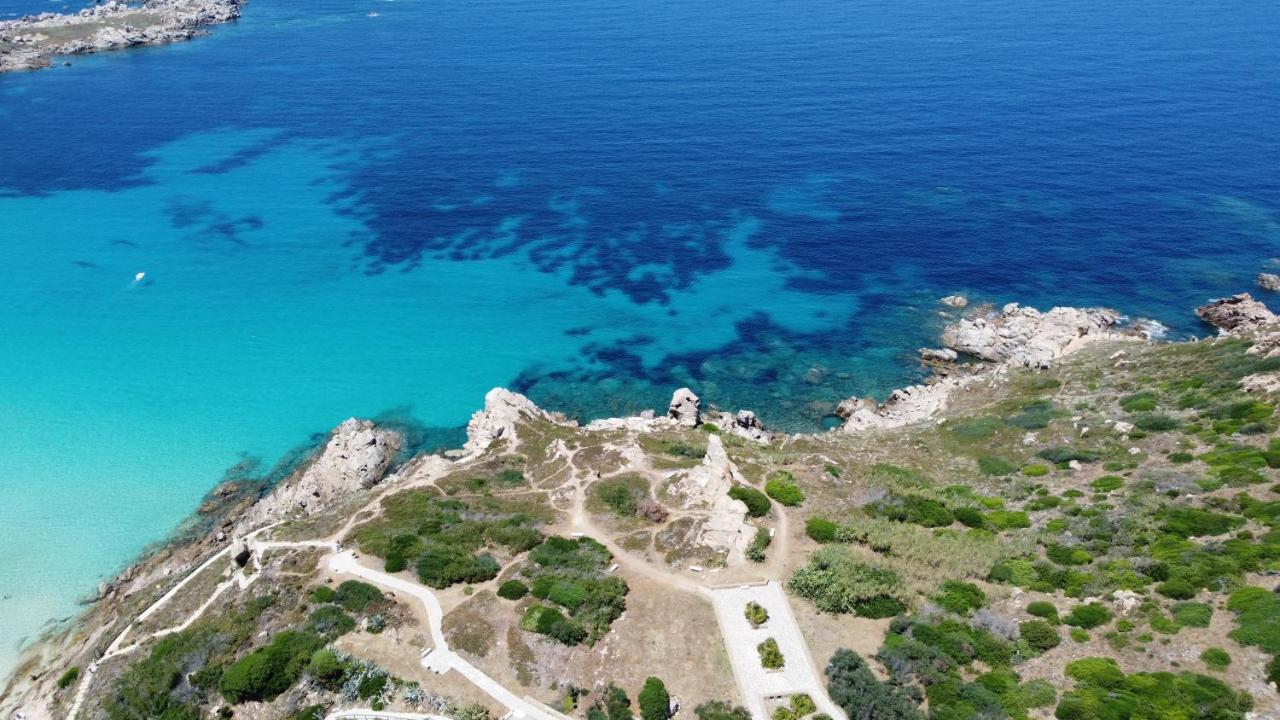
(1060, 460)
(32, 42)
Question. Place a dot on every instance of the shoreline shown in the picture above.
(1025, 338)
(33, 42)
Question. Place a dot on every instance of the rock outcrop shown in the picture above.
(1027, 337)
(685, 408)
(356, 457)
(1237, 314)
(503, 412)
(905, 406)
(29, 43)
(707, 487)
(955, 301)
(1269, 281)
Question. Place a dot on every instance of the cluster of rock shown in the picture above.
(1027, 337)
(30, 42)
(706, 488)
(1237, 314)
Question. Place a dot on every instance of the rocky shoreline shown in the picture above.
(359, 455)
(32, 42)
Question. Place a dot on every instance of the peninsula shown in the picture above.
(32, 42)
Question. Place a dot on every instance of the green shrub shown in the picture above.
(1197, 522)
(961, 597)
(837, 581)
(1181, 458)
(1176, 589)
(802, 705)
(970, 517)
(322, 594)
(326, 668)
(1035, 470)
(1216, 658)
(978, 428)
(1059, 455)
(330, 621)
(1103, 692)
(1193, 614)
(770, 656)
(1040, 635)
(1107, 483)
(355, 596)
(621, 495)
(1096, 671)
(440, 567)
(68, 677)
(1008, 519)
(1155, 422)
(268, 671)
(1088, 616)
(914, 509)
(512, 590)
(757, 502)
(654, 700)
(782, 487)
(852, 686)
(820, 529)
(1258, 613)
(992, 465)
(1139, 402)
(1078, 635)
(1043, 609)
(756, 614)
(755, 551)
(720, 710)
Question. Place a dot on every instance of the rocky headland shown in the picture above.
(1022, 406)
(34, 41)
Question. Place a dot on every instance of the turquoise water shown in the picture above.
(593, 203)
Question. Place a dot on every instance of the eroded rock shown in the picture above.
(685, 408)
(1027, 337)
(1237, 314)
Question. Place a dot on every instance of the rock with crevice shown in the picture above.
(502, 415)
(1237, 314)
(685, 408)
(356, 457)
(706, 487)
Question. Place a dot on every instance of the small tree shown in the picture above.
(770, 655)
(756, 614)
(654, 700)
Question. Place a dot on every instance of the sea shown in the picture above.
(215, 251)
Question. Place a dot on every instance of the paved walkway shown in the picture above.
(441, 659)
(798, 675)
(370, 714)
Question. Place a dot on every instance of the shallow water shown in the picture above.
(593, 203)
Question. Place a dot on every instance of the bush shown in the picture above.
(855, 689)
(1196, 522)
(355, 596)
(1035, 470)
(1107, 483)
(782, 487)
(619, 495)
(1216, 658)
(1176, 589)
(720, 710)
(1078, 635)
(1060, 455)
(322, 594)
(440, 567)
(992, 465)
(268, 671)
(654, 701)
(838, 582)
(757, 502)
(330, 621)
(1139, 402)
(961, 597)
(756, 614)
(820, 529)
(1043, 609)
(1193, 614)
(512, 590)
(1088, 616)
(1008, 519)
(770, 656)
(1040, 635)
(970, 517)
(68, 677)
(755, 552)
(1155, 422)
(802, 705)
(326, 668)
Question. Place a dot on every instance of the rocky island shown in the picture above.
(32, 42)
(1069, 520)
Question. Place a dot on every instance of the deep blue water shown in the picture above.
(593, 202)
